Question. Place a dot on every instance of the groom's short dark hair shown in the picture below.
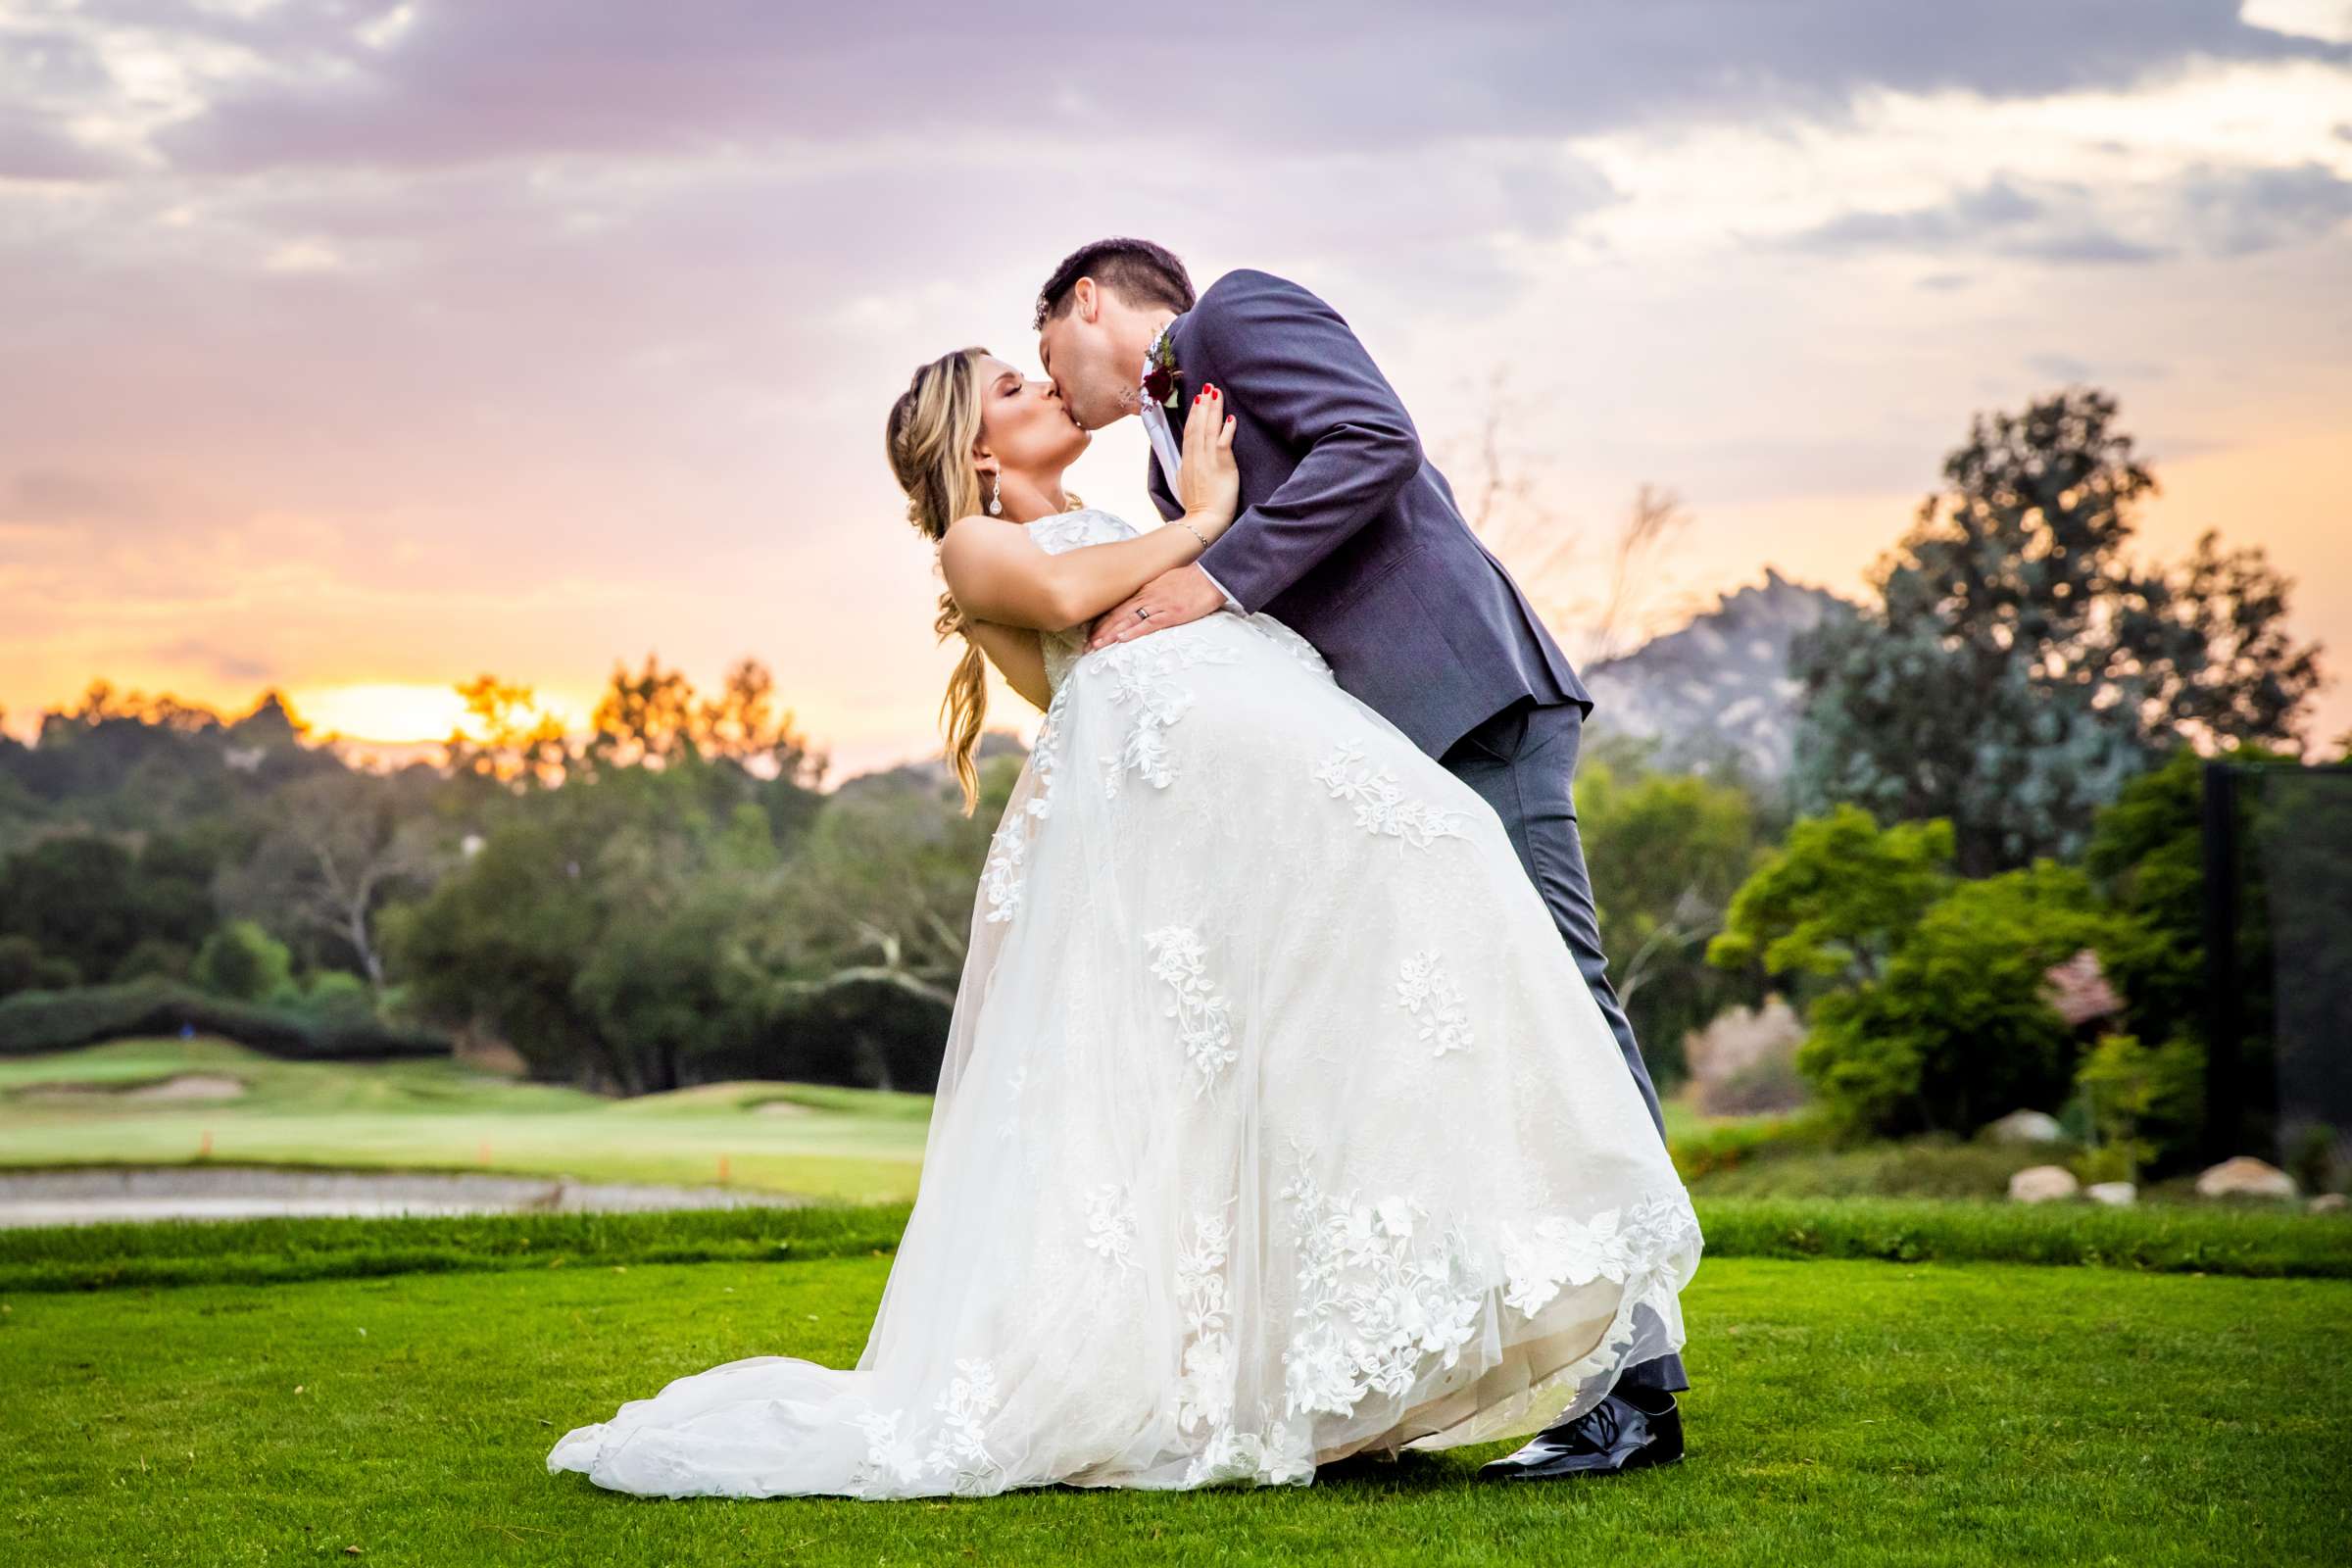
(1142, 272)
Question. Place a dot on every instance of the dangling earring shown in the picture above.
(996, 495)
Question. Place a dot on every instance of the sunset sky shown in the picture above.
(358, 349)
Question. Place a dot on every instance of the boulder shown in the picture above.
(2119, 1194)
(2328, 1203)
(2039, 1184)
(2026, 1127)
(2245, 1176)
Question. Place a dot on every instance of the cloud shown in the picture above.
(49, 497)
(2049, 222)
(2067, 368)
(2238, 212)
(331, 83)
(2205, 209)
(34, 150)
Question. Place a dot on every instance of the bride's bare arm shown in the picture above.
(996, 573)
(1014, 651)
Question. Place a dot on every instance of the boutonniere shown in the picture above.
(1160, 370)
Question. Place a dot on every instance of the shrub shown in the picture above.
(243, 963)
(1958, 1029)
(35, 1021)
(155, 955)
(2142, 1104)
(340, 995)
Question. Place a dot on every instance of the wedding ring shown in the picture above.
(1142, 612)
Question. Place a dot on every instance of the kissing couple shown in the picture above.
(1287, 1113)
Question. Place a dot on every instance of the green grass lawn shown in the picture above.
(1860, 1412)
(846, 1143)
(1878, 1381)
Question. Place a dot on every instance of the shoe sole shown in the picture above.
(1574, 1475)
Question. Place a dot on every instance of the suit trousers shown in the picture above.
(1522, 761)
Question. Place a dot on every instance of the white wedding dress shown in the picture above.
(1276, 1123)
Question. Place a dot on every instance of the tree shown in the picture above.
(1958, 1027)
(79, 896)
(1837, 900)
(1506, 497)
(24, 966)
(337, 849)
(1667, 852)
(2018, 668)
(605, 927)
(2146, 855)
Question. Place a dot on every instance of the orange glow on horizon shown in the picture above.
(403, 712)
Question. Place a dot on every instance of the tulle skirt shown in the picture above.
(1277, 1125)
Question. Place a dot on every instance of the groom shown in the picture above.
(1352, 537)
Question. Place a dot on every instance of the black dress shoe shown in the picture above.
(1632, 1428)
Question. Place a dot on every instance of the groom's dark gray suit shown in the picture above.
(1352, 537)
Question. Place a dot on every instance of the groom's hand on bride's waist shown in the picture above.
(1168, 600)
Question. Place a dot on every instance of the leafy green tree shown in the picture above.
(500, 943)
(77, 896)
(604, 927)
(1667, 852)
(2018, 668)
(1957, 1028)
(1837, 898)
(24, 966)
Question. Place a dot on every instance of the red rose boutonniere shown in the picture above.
(1159, 370)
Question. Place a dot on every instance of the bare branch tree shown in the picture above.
(1504, 499)
(335, 849)
(1656, 517)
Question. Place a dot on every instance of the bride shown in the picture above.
(1276, 1123)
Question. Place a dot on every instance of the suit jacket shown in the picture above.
(1347, 533)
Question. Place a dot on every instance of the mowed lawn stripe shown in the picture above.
(1843, 1412)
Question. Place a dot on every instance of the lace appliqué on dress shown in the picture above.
(958, 1449)
(1004, 873)
(1203, 1017)
(1428, 993)
(1110, 1226)
(1279, 1454)
(1380, 804)
(1143, 673)
(1378, 1297)
(1619, 1245)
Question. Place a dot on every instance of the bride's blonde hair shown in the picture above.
(932, 428)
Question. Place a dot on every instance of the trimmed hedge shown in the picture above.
(2164, 1240)
(34, 1021)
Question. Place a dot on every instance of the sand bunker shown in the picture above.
(190, 1086)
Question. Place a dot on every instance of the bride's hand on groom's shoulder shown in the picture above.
(1208, 482)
